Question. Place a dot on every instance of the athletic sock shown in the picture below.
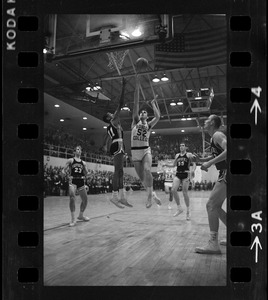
(115, 194)
(150, 190)
(121, 193)
(72, 215)
(214, 236)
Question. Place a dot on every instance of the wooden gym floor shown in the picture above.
(131, 246)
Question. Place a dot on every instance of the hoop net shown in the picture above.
(116, 57)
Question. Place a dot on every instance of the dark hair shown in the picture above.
(144, 110)
(217, 121)
(105, 118)
(78, 146)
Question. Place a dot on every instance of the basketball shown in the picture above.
(141, 64)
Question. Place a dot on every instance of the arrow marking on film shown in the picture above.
(257, 107)
(258, 244)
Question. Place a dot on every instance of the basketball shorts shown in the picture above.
(168, 186)
(116, 148)
(222, 176)
(183, 176)
(78, 183)
(138, 154)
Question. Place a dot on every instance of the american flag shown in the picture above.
(193, 49)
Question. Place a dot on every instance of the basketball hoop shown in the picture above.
(116, 59)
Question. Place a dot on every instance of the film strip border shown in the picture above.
(23, 154)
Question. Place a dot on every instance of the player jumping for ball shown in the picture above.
(218, 144)
(117, 150)
(182, 161)
(140, 149)
(77, 170)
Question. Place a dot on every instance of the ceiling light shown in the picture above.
(164, 78)
(172, 103)
(189, 119)
(98, 86)
(56, 105)
(136, 32)
(155, 79)
(125, 107)
(44, 50)
(61, 120)
(198, 98)
(84, 118)
(153, 132)
(84, 128)
(95, 88)
(104, 127)
(182, 130)
(180, 103)
(183, 119)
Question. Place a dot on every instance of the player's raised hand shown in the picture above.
(154, 100)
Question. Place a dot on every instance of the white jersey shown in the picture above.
(169, 174)
(140, 136)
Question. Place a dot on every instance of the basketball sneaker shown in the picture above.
(188, 216)
(124, 201)
(83, 218)
(115, 201)
(223, 242)
(212, 247)
(72, 224)
(156, 199)
(178, 212)
(149, 202)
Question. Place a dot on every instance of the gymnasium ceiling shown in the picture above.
(77, 63)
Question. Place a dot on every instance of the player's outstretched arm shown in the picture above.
(121, 99)
(135, 115)
(156, 113)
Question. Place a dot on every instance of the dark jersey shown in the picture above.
(114, 132)
(216, 150)
(183, 163)
(77, 168)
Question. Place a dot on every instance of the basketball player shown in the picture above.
(140, 149)
(169, 175)
(182, 161)
(117, 150)
(215, 212)
(77, 170)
